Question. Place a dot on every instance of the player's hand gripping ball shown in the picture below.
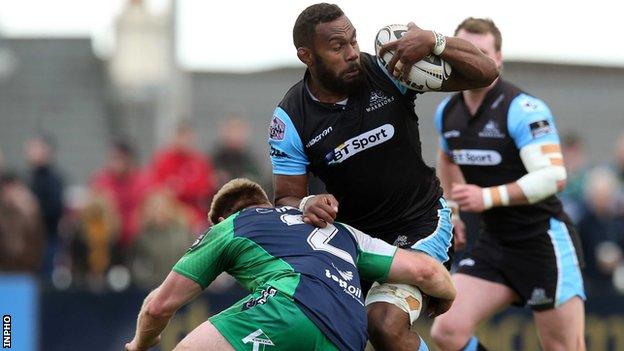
(425, 75)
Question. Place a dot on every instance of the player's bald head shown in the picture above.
(236, 195)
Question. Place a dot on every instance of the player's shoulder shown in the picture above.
(293, 99)
(526, 104)
(522, 102)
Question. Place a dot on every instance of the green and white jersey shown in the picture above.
(319, 268)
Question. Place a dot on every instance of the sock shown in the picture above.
(423, 345)
(474, 345)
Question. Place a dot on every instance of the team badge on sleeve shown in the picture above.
(198, 241)
(540, 128)
(277, 129)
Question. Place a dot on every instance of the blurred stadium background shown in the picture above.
(109, 154)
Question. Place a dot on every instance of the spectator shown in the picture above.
(21, 232)
(186, 172)
(619, 172)
(572, 197)
(122, 182)
(47, 185)
(619, 159)
(601, 229)
(232, 156)
(100, 224)
(164, 237)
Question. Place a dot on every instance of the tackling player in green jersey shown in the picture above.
(304, 281)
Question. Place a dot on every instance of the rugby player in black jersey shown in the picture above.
(350, 122)
(500, 156)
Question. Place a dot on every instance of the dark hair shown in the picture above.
(124, 146)
(482, 26)
(305, 25)
(46, 138)
(571, 139)
(235, 195)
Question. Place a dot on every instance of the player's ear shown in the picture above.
(305, 55)
(499, 59)
(220, 219)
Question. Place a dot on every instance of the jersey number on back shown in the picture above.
(319, 240)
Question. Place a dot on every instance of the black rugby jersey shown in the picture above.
(487, 147)
(367, 152)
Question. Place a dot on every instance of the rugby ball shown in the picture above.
(425, 75)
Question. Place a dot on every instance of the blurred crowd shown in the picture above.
(130, 224)
(594, 199)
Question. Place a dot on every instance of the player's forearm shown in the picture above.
(421, 270)
(546, 176)
(438, 284)
(469, 62)
(537, 186)
(150, 324)
(448, 173)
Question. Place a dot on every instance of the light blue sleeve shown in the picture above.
(285, 146)
(437, 120)
(529, 121)
(403, 89)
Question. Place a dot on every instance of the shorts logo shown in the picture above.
(378, 100)
(360, 143)
(318, 138)
(490, 130)
(538, 297)
(476, 157)
(540, 128)
(257, 338)
(265, 295)
(401, 241)
(277, 129)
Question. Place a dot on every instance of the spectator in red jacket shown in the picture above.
(184, 170)
(124, 185)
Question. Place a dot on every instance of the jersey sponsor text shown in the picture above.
(360, 143)
(476, 157)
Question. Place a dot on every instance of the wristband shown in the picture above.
(304, 201)
(504, 195)
(487, 198)
(440, 43)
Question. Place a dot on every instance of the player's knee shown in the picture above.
(387, 322)
(449, 334)
(558, 340)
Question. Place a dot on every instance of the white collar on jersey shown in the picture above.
(342, 102)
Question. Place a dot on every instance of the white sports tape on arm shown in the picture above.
(544, 163)
(406, 297)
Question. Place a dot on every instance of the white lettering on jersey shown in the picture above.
(360, 143)
(318, 138)
(476, 157)
(292, 219)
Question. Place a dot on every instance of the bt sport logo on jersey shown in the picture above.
(360, 143)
